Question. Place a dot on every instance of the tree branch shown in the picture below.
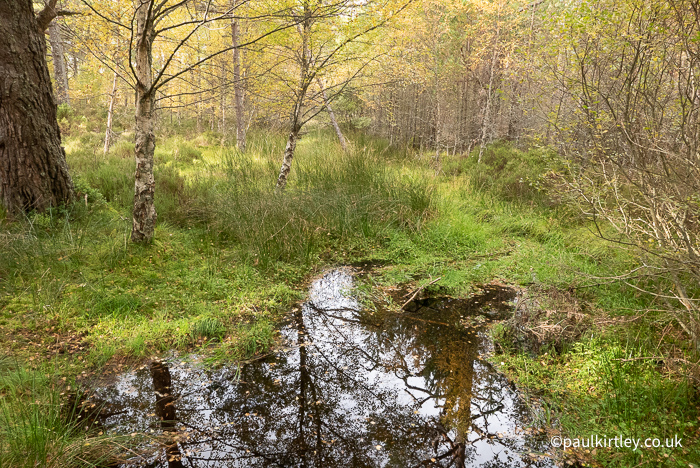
(46, 15)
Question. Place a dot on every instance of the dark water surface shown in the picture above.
(350, 388)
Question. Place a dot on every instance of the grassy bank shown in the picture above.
(77, 299)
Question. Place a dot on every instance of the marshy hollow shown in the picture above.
(348, 387)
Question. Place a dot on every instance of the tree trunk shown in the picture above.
(144, 216)
(76, 66)
(212, 116)
(59, 63)
(110, 115)
(33, 170)
(336, 127)
(222, 98)
(485, 123)
(296, 117)
(288, 156)
(165, 410)
(198, 105)
(238, 87)
(438, 116)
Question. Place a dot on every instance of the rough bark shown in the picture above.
(144, 215)
(59, 63)
(334, 121)
(110, 116)
(238, 87)
(33, 170)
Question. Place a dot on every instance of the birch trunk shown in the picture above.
(487, 111)
(144, 214)
(238, 87)
(287, 159)
(33, 170)
(304, 81)
(334, 122)
(438, 116)
(110, 114)
(222, 99)
(198, 106)
(59, 63)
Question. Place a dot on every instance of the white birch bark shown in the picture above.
(295, 125)
(238, 86)
(110, 115)
(334, 122)
(486, 121)
(144, 214)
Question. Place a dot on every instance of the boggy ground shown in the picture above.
(349, 386)
(231, 256)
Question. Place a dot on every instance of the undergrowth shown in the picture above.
(231, 255)
(39, 426)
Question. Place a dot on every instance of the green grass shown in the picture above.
(39, 426)
(597, 388)
(231, 255)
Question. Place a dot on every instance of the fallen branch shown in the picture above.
(419, 290)
(640, 358)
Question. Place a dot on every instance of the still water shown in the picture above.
(350, 387)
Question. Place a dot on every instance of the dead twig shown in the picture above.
(415, 293)
(639, 358)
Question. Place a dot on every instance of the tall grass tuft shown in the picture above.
(331, 196)
(37, 429)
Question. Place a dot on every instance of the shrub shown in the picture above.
(510, 173)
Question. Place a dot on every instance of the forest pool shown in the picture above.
(350, 386)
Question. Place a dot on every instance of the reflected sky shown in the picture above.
(349, 388)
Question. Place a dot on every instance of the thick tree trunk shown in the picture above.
(59, 63)
(33, 170)
(110, 116)
(238, 88)
(144, 215)
(334, 122)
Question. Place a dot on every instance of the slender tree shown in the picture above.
(59, 63)
(486, 120)
(238, 83)
(316, 54)
(109, 134)
(177, 24)
(331, 114)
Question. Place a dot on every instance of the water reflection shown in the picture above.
(165, 410)
(352, 388)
